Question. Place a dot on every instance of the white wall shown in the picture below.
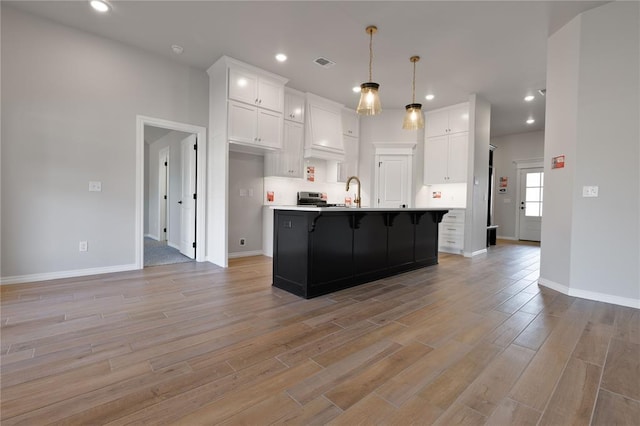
(510, 148)
(69, 107)
(246, 173)
(591, 246)
(475, 234)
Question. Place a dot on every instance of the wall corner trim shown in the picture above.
(590, 295)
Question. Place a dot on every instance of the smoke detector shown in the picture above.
(324, 62)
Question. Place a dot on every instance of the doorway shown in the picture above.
(530, 202)
(187, 137)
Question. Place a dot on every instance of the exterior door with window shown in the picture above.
(531, 191)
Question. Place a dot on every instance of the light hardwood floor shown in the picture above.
(469, 341)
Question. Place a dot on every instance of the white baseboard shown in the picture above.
(152, 236)
(502, 237)
(590, 295)
(20, 279)
(475, 253)
(449, 250)
(175, 246)
(245, 254)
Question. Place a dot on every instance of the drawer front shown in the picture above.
(451, 229)
(451, 241)
(454, 216)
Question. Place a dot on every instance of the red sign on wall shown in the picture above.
(557, 162)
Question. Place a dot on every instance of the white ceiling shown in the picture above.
(495, 49)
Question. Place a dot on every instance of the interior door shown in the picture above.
(531, 191)
(393, 181)
(188, 202)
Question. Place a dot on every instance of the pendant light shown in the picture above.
(369, 99)
(413, 119)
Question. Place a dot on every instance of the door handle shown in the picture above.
(180, 202)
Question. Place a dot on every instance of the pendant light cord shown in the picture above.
(370, 54)
(413, 97)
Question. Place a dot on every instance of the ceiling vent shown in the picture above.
(324, 62)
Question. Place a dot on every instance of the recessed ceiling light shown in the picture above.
(356, 89)
(177, 49)
(529, 98)
(100, 5)
(429, 97)
(281, 57)
(531, 121)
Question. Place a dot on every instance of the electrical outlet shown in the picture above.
(83, 246)
(243, 241)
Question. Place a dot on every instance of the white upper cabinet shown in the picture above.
(350, 122)
(445, 159)
(349, 167)
(294, 106)
(288, 161)
(446, 121)
(252, 88)
(323, 130)
(250, 125)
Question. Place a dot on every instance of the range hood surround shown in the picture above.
(323, 129)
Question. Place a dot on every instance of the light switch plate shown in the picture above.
(95, 186)
(589, 191)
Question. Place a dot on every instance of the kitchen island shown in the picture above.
(318, 250)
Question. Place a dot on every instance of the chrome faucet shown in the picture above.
(358, 199)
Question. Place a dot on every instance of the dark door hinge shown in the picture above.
(194, 196)
(193, 245)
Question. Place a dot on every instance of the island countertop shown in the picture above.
(359, 209)
(318, 250)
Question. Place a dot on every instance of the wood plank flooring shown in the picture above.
(468, 341)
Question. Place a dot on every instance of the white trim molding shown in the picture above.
(245, 254)
(21, 279)
(529, 163)
(475, 253)
(590, 295)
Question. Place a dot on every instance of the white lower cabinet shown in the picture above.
(451, 232)
(288, 161)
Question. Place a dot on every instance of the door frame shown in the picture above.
(398, 149)
(532, 163)
(201, 164)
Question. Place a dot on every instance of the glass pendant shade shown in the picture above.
(413, 119)
(369, 99)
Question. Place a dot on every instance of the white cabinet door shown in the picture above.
(325, 129)
(292, 149)
(350, 124)
(349, 167)
(243, 86)
(270, 95)
(294, 107)
(242, 122)
(436, 123)
(269, 128)
(459, 119)
(457, 158)
(436, 154)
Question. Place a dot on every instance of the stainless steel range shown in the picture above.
(314, 199)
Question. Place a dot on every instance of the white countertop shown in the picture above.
(350, 209)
